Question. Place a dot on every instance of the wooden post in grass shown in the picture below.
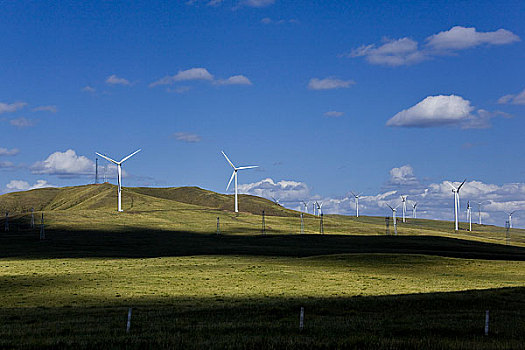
(387, 224)
(263, 228)
(129, 321)
(301, 319)
(6, 227)
(321, 228)
(486, 322)
(302, 224)
(218, 226)
(42, 229)
(32, 217)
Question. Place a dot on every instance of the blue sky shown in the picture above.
(303, 89)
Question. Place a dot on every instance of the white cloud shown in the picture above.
(398, 52)
(268, 20)
(403, 175)
(20, 185)
(329, 83)
(284, 190)
(52, 109)
(256, 3)
(22, 122)
(333, 114)
(518, 99)
(460, 38)
(11, 107)
(88, 88)
(8, 165)
(214, 2)
(187, 137)
(114, 80)
(235, 80)
(64, 164)
(407, 51)
(184, 75)
(179, 89)
(9, 152)
(435, 111)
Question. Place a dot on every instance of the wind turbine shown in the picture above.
(469, 216)
(356, 203)
(119, 173)
(456, 201)
(276, 201)
(234, 174)
(305, 206)
(313, 208)
(414, 210)
(319, 208)
(479, 211)
(404, 202)
(394, 210)
(510, 217)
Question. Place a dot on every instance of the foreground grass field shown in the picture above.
(190, 288)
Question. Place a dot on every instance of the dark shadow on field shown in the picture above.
(452, 320)
(139, 243)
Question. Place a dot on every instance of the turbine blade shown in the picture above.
(231, 178)
(247, 167)
(106, 158)
(390, 207)
(462, 184)
(451, 185)
(228, 159)
(131, 155)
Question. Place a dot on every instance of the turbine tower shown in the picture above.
(456, 201)
(394, 210)
(414, 210)
(356, 203)
(404, 202)
(234, 175)
(510, 217)
(119, 173)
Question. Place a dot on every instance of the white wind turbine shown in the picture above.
(356, 196)
(319, 208)
(394, 210)
(469, 215)
(414, 205)
(234, 174)
(305, 206)
(479, 211)
(404, 202)
(276, 201)
(313, 208)
(456, 201)
(510, 217)
(119, 173)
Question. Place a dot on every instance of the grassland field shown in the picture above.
(191, 288)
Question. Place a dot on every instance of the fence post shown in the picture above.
(301, 319)
(6, 221)
(129, 321)
(218, 226)
(42, 229)
(486, 322)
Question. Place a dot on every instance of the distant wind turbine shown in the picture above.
(479, 211)
(305, 206)
(394, 210)
(119, 173)
(469, 216)
(276, 201)
(319, 208)
(356, 196)
(234, 175)
(414, 205)
(510, 217)
(404, 202)
(456, 201)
